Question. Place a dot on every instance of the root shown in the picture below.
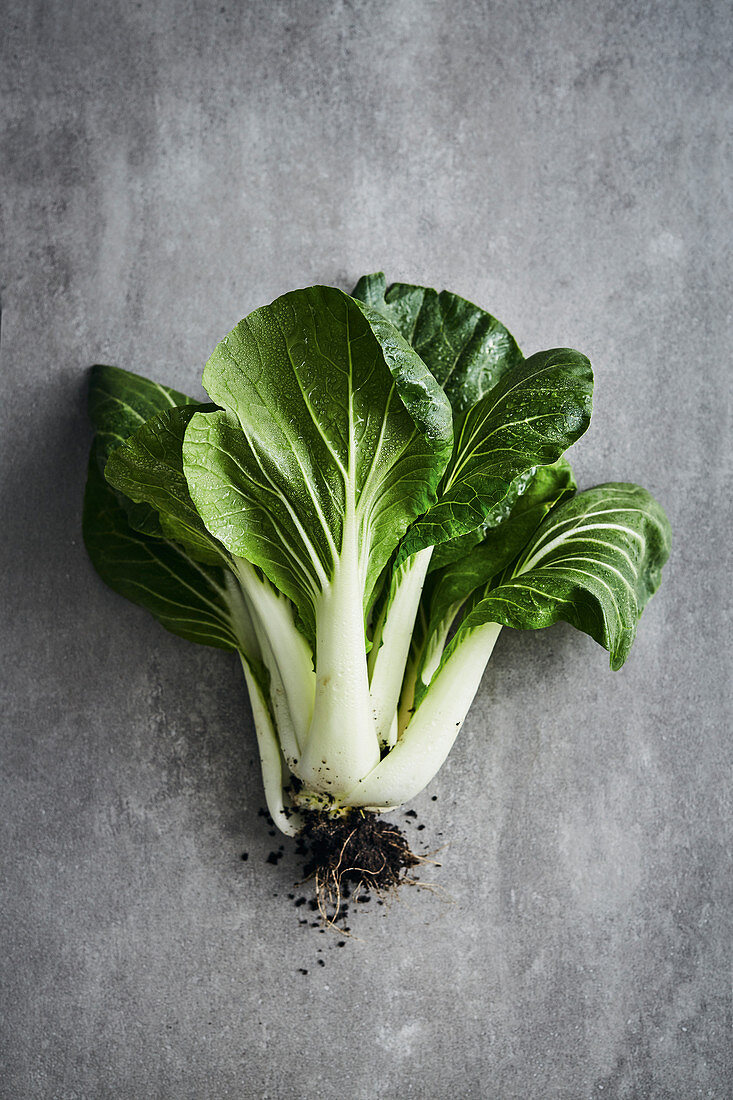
(354, 854)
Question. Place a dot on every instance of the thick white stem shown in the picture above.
(286, 654)
(436, 644)
(281, 708)
(392, 642)
(429, 737)
(342, 744)
(241, 615)
(288, 821)
(407, 698)
(409, 684)
(393, 732)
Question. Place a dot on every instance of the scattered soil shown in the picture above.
(352, 854)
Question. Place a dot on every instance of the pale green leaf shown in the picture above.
(333, 429)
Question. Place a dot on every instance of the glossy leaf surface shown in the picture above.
(593, 562)
(504, 541)
(120, 402)
(529, 419)
(465, 348)
(333, 433)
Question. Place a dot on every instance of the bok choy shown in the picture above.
(376, 488)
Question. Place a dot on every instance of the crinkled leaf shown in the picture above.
(529, 419)
(449, 589)
(503, 542)
(148, 469)
(332, 425)
(189, 599)
(593, 562)
(465, 348)
(456, 549)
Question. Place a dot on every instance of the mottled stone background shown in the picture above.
(168, 166)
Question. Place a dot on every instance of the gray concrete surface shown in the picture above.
(166, 168)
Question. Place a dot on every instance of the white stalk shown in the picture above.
(388, 656)
(342, 744)
(407, 698)
(436, 645)
(429, 737)
(409, 683)
(286, 654)
(254, 645)
(240, 614)
(282, 713)
(288, 821)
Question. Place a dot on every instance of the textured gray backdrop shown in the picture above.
(166, 168)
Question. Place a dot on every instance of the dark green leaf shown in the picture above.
(445, 596)
(371, 289)
(148, 469)
(456, 549)
(593, 562)
(529, 419)
(504, 541)
(465, 348)
(190, 600)
(120, 402)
